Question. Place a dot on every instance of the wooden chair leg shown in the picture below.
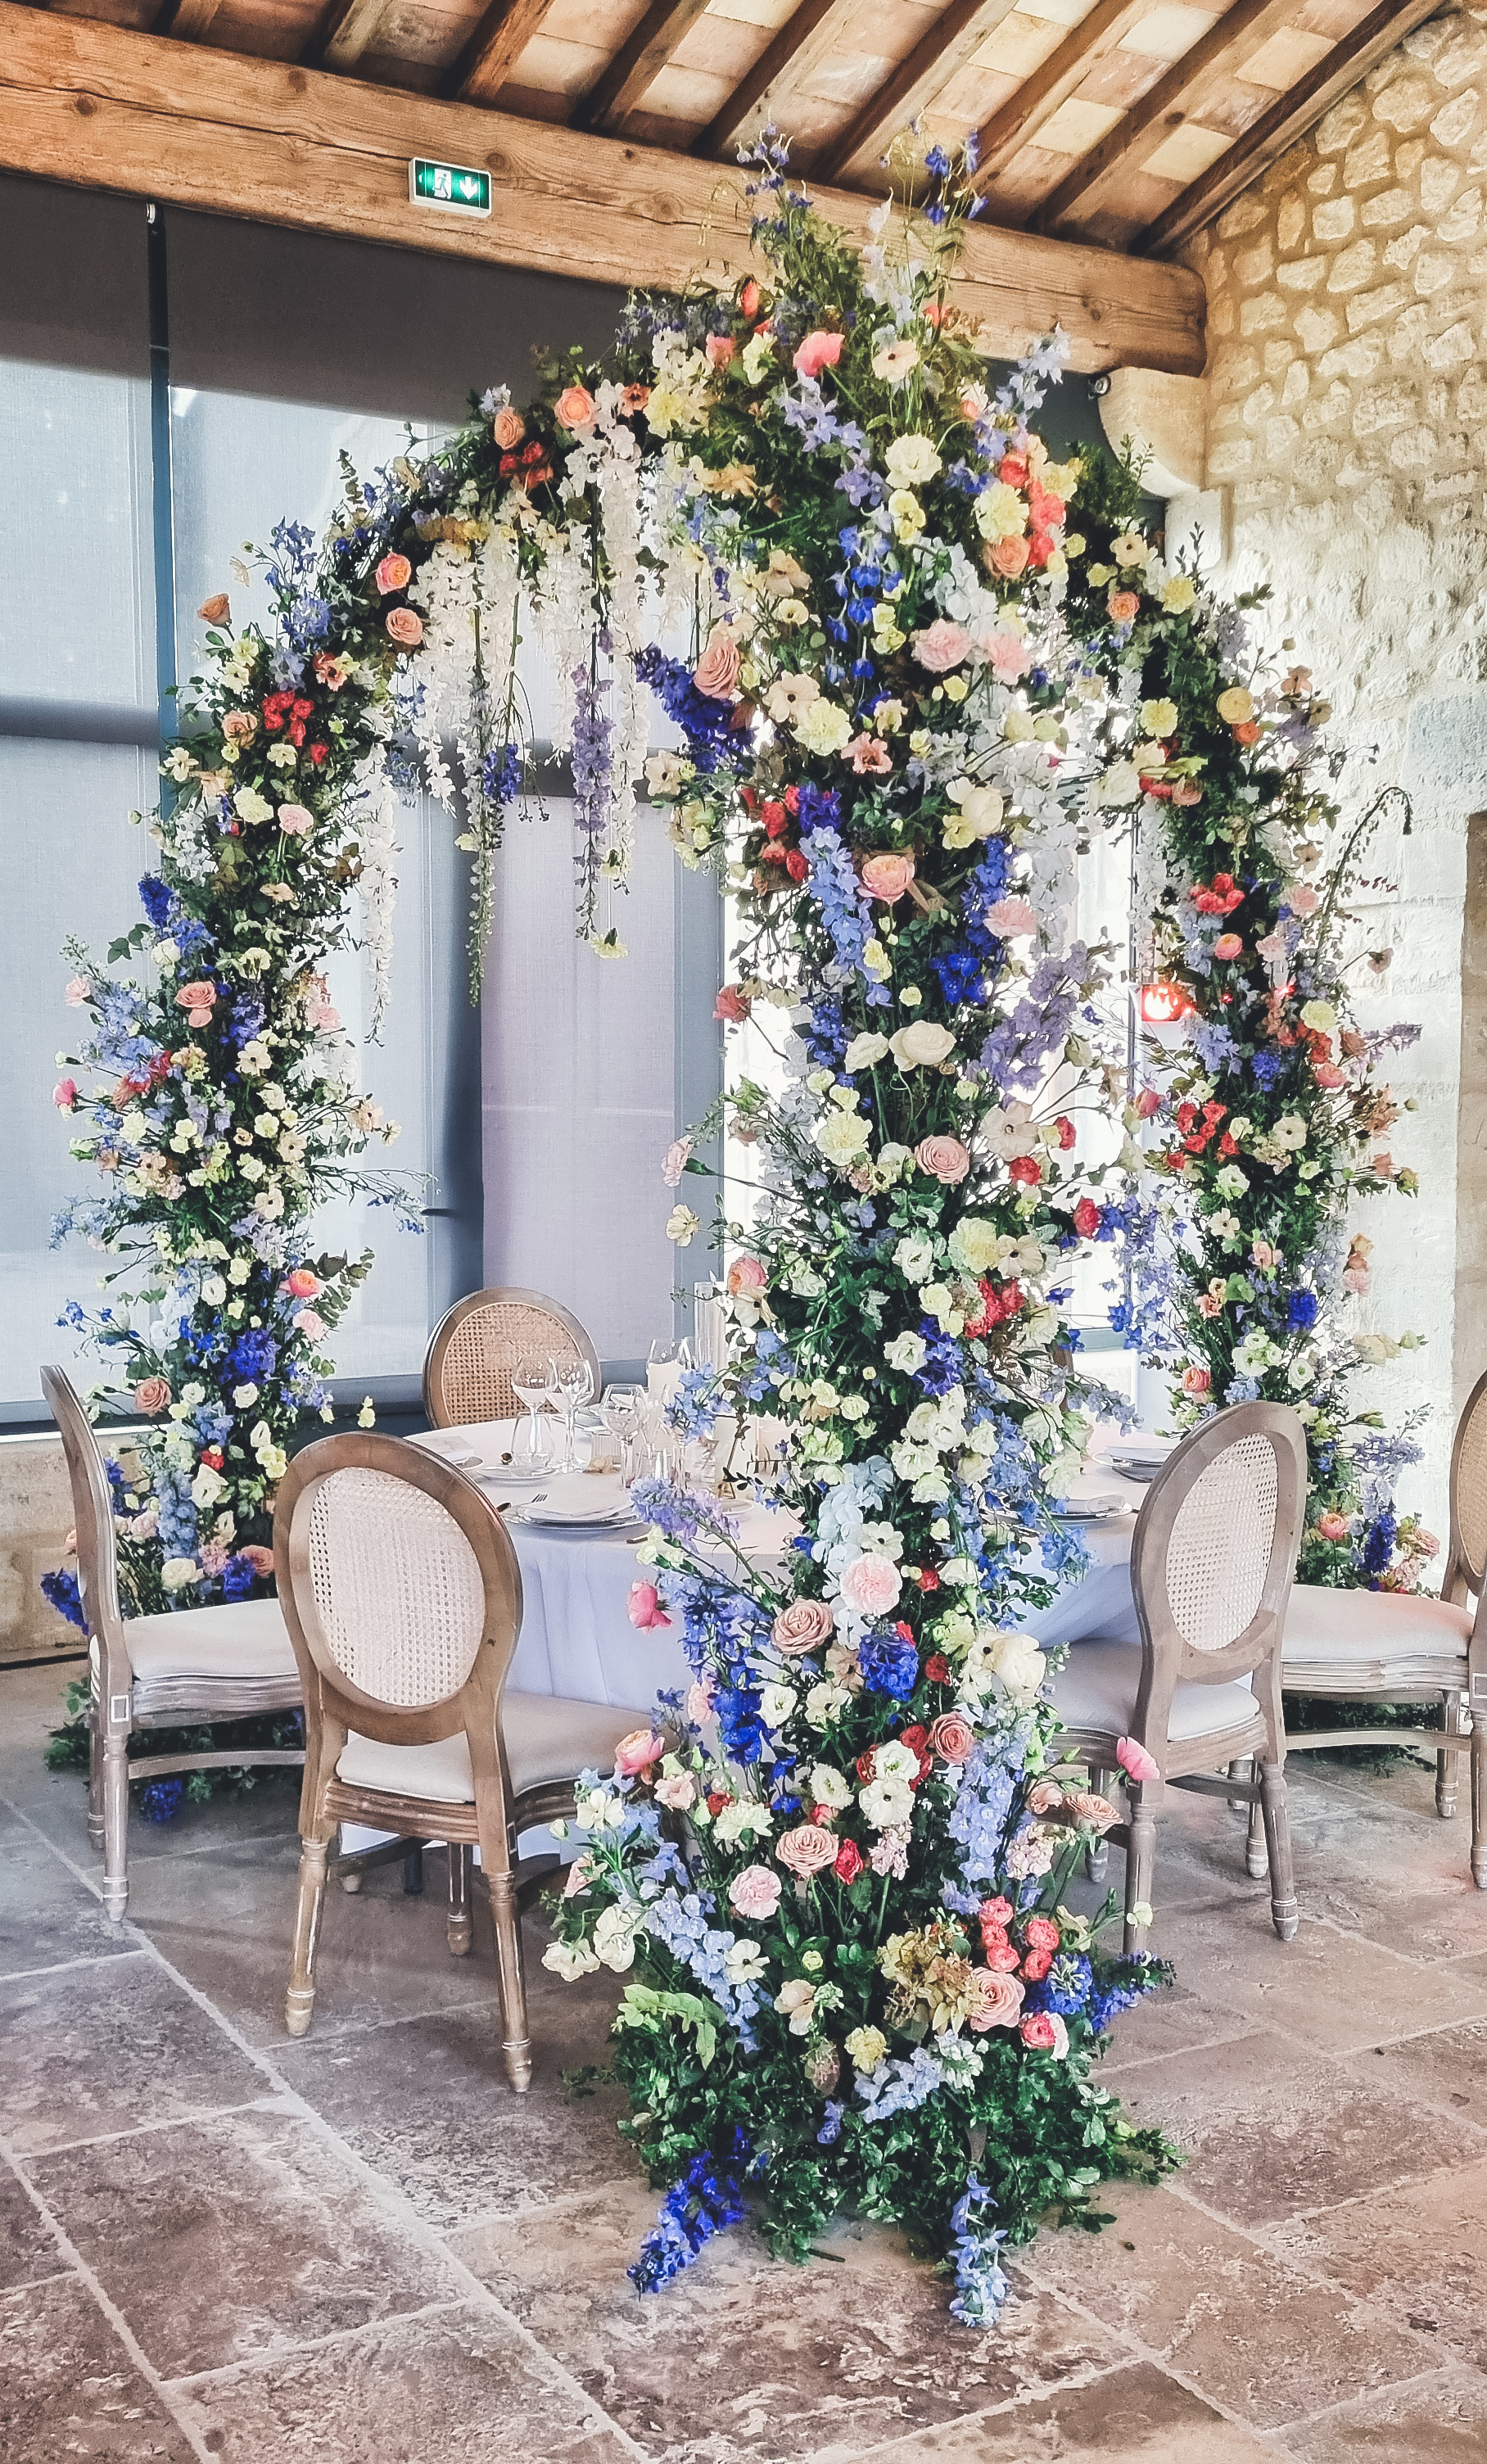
(1241, 1767)
(413, 1871)
(516, 2042)
(1284, 1914)
(115, 1826)
(300, 2000)
(1447, 1762)
(1139, 1867)
(1097, 1855)
(1479, 1803)
(461, 1933)
(1256, 1857)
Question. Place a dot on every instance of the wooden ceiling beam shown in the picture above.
(185, 21)
(800, 40)
(637, 64)
(344, 34)
(99, 106)
(1171, 103)
(1289, 117)
(1038, 96)
(954, 38)
(494, 49)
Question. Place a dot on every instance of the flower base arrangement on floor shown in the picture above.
(926, 664)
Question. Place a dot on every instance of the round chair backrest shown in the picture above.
(400, 1596)
(472, 1355)
(1219, 1552)
(1469, 1487)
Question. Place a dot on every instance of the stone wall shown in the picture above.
(35, 1517)
(1348, 466)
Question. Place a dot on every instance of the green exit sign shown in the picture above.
(449, 187)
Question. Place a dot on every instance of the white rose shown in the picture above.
(886, 1802)
(922, 1044)
(910, 460)
(906, 1352)
(177, 1573)
(864, 1051)
(214, 1291)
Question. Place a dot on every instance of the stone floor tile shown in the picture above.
(68, 2387)
(745, 2357)
(220, 2241)
(1130, 2415)
(427, 2103)
(1415, 2252)
(1328, 1988)
(1444, 2067)
(47, 1916)
(1437, 2420)
(107, 2047)
(455, 2385)
(1257, 2335)
(1171, 2021)
(28, 2252)
(1271, 2130)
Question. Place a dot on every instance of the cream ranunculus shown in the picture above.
(1000, 513)
(976, 1245)
(1178, 594)
(922, 1045)
(910, 460)
(864, 1051)
(841, 1136)
(1235, 706)
(822, 727)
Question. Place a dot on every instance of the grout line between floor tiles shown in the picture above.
(394, 2203)
(912, 2440)
(542, 2207)
(190, 2119)
(349, 2030)
(60, 1966)
(286, 2350)
(85, 2276)
(1397, 2387)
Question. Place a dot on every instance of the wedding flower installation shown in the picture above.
(926, 664)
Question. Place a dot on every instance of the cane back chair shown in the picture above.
(1401, 1647)
(1211, 1561)
(473, 1351)
(403, 1598)
(175, 1670)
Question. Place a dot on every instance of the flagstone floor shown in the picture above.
(361, 2248)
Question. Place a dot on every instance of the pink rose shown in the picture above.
(1006, 653)
(941, 645)
(1196, 1381)
(747, 1275)
(1096, 1811)
(952, 1737)
(1228, 945)
(1010, 919)
(699, 1702)
(870, 1586)
(673, 1163)
(1008, 558)
(296, 821)
(310, 1325)
(1036, 2032)
(64, 1094)
(636, 1752)
(679, 1793)
(817, 351)
(998, 2002)
(1124, 606)
(716, 672)
(888, 876)
(302, 1283)
(574, 407)
(1044, 1796)
(643, 1607)
(240, 724)
(394, 573)
(755, 1892)
(802, 1627)
(1328, 1076)
(507, 429)
(719, 349)
(1135, 1761)
(260, 1559)
(405, 628)
(1302, 901)
(807, 1850)
(151, 1396)
(732, 1005)
(944, 1159)
(1333, 1527)
(197, 1001)
(75, 991)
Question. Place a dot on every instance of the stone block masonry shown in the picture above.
(1347, 446)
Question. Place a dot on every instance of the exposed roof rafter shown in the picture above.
(493, 50)
(1039, 95)
(637, 64)
(800, 40)
(951, 42)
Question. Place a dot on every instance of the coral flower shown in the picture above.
(394, 573)
(732, 1005)
(817, 351)
(888, 876)
(406, 628)
(508, 428)
(574, 407)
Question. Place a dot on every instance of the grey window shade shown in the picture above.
(73, 284)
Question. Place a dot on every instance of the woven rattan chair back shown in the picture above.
(1215, 1541)
(93, 1510)
(473, 1351)
(1219, 1548)
(1466, 1562)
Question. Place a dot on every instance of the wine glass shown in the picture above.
(619, 1412)
(572, 1383)
(531, 1380)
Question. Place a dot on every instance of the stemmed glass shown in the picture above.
(572, 1383)
(531, 1380)
(621, 1414)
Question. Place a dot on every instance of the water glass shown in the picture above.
(531, 1380)
(572, 1383)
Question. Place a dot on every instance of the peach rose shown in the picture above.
(296, 821)
(637, 1751)
(406, 629)
(952, 1737)
(755, 1892)
(197, 1000)
(1124, 606)
(508, 428)
(807, 1850)
(302, 1282)
(998, 2002)
(1008, 558)
(817, 351)
(1196, 1381)
(260, 1559)
(747, 1275)
(802, 1627)
(574, 406)
(1096, 1811)
(151, 1396)
(216, 609)
(1333, 1527)
(1228, 946)
(944, 1159)
(888, 876)
(238, 724)
(394, 573)
(731, 1007)
(1044, 1796)
(716, 672)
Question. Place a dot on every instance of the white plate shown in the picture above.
(605, 1518)
(1091, 1510)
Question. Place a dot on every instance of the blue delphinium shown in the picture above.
(61, 1590)
(160, 1799)
(981, 2286)
(889, 1662)
(1300, 1312)
(708, 2198)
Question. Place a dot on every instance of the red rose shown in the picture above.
(1087, 1218)
(1026, 1169)
(849, 1861)
(1040, 1934)
(716, 1800)
(1066, 1131)
(866, 1764)
(1038, 2033)
(938, 1669)
(928, 1580)
(795, 865)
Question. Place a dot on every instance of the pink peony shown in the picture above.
(673, 1163)
(302, 1282)
(807, 1850)
(755, 1892)
(296, 821)
(1011, 918)
(942, 646)
(1196, 1381)
(1328, 1076)
(817, 351)
(888, 876)
(952, 1737)
(747, 1275)
(636, 1752)
(151, 1396)
(732, 1005)
(802, 1627)
(405, 628)
(1228, 945)
(678, 1792)
(870, 1586)
(1135, 1761)
(64, 1094)
(1009, 657)
(1036, 2032)
(999, 2003)
(394, 573)
(310, 1324)
(75, 991)
(574, 407)
(944, 1159)
(643, 1607)
(716, 672)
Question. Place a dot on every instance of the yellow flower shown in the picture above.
(1235, 706)
(841, 1136)
(1320, 1016)
(1000, 513)
(908, 516)
(822, 727)
(1179, 594)
(1158, 717)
